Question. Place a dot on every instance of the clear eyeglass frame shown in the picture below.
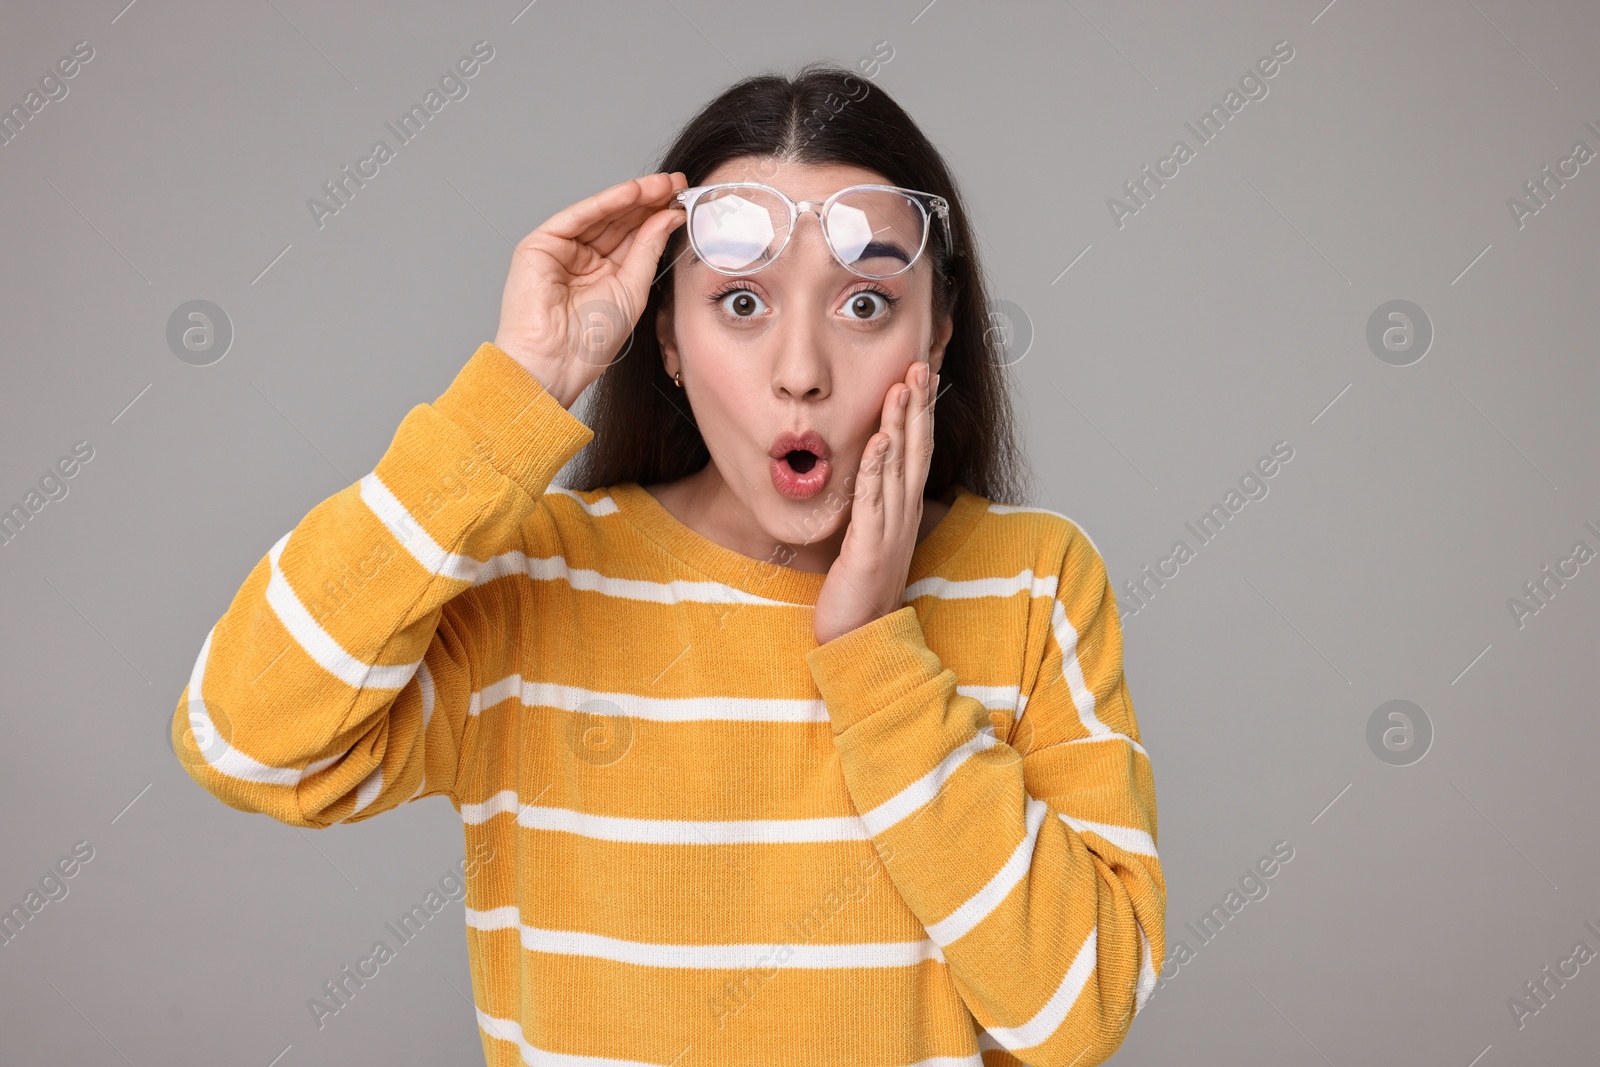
(930, 204)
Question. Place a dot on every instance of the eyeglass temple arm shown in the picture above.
(942, 208)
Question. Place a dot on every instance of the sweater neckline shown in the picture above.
(770, 579)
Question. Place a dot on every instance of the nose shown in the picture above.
(801, 367)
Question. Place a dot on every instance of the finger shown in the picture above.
(643, 251)
(608, 234)
(867, 507)
(571, 222)
(612, 238)
(654, 192)
(612, 221)
(917, 422)
(870, 490)
(922, 449)
(894, 478)
(593, 213)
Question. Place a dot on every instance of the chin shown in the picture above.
(804, 521)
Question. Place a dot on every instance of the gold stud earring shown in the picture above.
(677, 379)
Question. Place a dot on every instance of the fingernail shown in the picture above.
(922, 374)
(904, 397)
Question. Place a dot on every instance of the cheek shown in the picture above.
(720, 402)
(870, 395)
(725, 390)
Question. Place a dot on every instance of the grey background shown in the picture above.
(1228, 314)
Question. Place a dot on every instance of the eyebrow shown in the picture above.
(884, 248)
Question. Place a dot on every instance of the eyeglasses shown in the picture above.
(876, 231)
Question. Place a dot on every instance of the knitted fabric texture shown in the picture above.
(708, 839)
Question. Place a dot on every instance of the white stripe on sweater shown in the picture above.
(947, 589)
(656, 709)
(1147, 971)
(926, 789)
(425, 684)
(704, 831)
(369, 789)
(1124, 837)
(1016, 509)
(214, 748)
(1049, 1018)
(982, 904)
(1082, 696)
(705, 957)
(510, 1030)
(412, 537)
(606, 505)
(673, 591)
(665, 831)
(318, 643)
(687, 709)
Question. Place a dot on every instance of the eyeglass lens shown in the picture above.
(874, 232)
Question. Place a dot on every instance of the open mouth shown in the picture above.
(799, 463)
(801, 459)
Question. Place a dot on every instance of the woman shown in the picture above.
(776, 737)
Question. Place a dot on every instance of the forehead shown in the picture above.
(798, 181)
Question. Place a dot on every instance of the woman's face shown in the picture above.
(801, 346)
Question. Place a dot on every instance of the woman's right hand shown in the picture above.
(579, 282)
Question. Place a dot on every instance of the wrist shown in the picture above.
(547, 372)
(510, 420)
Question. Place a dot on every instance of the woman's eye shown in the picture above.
(863, 304)
(741, 303)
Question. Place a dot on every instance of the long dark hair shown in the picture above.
(644, 428)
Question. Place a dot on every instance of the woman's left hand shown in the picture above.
(868, 580)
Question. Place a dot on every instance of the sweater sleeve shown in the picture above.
(337, 684)
(1032, 864)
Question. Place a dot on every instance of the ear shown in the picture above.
(667, 338)
(941, 338)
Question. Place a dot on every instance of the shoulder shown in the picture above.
(586, 523)
(1058, 545)
(1048, 529)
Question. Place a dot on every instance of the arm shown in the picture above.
(1033, 868)
(337, 684)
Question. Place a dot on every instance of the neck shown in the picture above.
(705, 503)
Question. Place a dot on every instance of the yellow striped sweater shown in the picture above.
(698, 836)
